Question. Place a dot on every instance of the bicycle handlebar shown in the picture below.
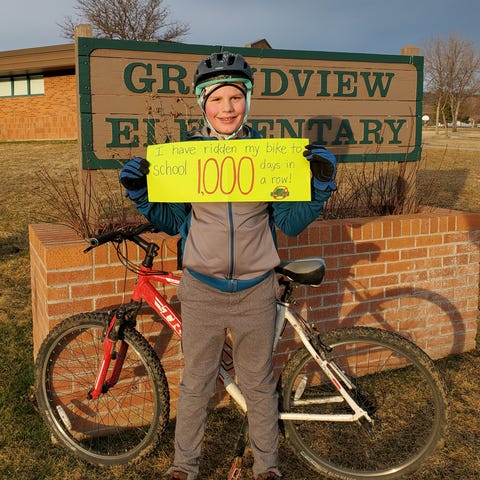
(119, 235)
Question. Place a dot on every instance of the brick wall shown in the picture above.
(416, 274)
(52, 116)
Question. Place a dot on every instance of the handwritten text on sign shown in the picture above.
(233, 171)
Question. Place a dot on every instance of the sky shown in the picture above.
(355, 26)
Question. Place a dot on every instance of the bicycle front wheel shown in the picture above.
(126, 422)
(393, 380)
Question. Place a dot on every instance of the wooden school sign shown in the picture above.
(362, 107)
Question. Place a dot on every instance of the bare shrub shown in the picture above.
(93, 201)
(377, 189)
(88, 207)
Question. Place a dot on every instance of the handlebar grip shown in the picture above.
(119, 235)
(102, 239)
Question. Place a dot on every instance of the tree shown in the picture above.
(125, 19)
(452, 73)
(472, 110)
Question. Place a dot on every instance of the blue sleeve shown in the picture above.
(167, 217)
(293, 217)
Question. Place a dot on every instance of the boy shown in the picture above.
(229, 253)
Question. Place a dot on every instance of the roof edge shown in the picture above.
(37, 59)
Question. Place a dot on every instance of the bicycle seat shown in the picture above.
(306, 271)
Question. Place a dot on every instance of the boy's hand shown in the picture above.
(133, 177)
(323, 165)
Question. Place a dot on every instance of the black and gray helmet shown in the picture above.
(222, 67)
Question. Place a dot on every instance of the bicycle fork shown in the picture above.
(112, 335)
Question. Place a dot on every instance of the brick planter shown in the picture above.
(415, 274)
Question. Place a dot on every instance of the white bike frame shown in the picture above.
(335, 374)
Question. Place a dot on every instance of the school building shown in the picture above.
(38, 99)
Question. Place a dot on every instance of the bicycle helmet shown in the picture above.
(217, 70)
(222, 67)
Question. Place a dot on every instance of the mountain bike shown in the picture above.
(354, 403)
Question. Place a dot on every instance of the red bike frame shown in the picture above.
(145, 291)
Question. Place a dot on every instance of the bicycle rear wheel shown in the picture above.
(123, 424)
(395, 382)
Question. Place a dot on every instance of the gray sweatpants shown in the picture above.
(250, 316)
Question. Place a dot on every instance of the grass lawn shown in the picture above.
(26, 452)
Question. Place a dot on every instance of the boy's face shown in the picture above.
(225, 109)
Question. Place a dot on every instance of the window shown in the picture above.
(5, 87)
(36, 85)
(22, 85)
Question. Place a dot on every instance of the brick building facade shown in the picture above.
(48, 115)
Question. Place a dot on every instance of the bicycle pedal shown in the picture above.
(235, 469)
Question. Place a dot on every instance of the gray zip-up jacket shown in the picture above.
(231, 245)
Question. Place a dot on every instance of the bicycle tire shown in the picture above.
(124, 424)
(399, 386)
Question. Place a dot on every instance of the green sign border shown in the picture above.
(86, 45)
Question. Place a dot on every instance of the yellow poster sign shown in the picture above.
(259, 170)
